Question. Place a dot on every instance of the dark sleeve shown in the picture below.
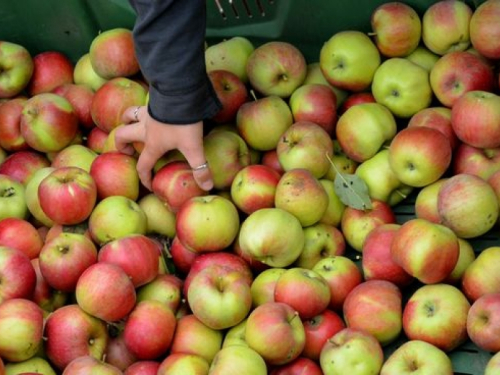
(169, 38)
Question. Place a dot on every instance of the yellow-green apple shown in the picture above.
(178, 364)
(219, 296)
(426, 201)
(377, 263)
(419, 155)
(402, 86)
(483, 323)
(468, 205)
(254, 187)
(48, 122)
(296, 285)
(67, 195)
(112, 54)
(159, 217)
(363, 129)
(80, 96)
(300, 365)
(232, 359)
(340, 162)
(263, 285)
(174, 184)
(17, 69)
(396, 29)
(11, 139)
(335, 208)
(417, 355)
(143, 368)
(465, 257)
(22, 235)
(262, 122)
(270, 159)
(445, 26)
(318, 330)
(276, 68)
(315, 75)
(166, 288)
(115, 217)
(34, 365)
(272, 236)
(479, 277)
(342, 353)
(90, 365)
(493, 365)
(96, 139)
(382, 182)
(436, 117)
(226, 153)
(230, 54)
(74, 155)
(306, 145)
(437, 314)
(357, 224)
(321, 241)
(48, 298)
(136, 254)
(317, 103)
(349, 59)
(275, 331)
(458, 72)
(300, 193)
(18, 274)
(194, 337)
(482, 162)
(12, 198)
(342, 275)
(21, 324)
(112, 99)
(428, 251)
(84, 73)
(142, 326)
(375, 306)
(63, 259)
(232, 93)
(105, 282)
(475, 118)
(423, 57)
(484, 29)
(50, 70)
(31, 196)
(21, 165)
(217, 215)
(356, 98)
(235, 335)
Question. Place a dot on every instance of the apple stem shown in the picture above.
(401, 194)
(295, 315)
(252, 94)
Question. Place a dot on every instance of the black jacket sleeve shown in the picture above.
(169, 37)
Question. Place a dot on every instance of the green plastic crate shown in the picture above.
(69, 26)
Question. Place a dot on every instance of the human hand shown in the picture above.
(158, 138)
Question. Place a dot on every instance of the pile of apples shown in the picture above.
(295, 262)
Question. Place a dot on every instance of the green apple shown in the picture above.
(32, 200)
(423, 57)
(32, 365)
(232, 359)
(12, 198)
(236, 334)
(402, 86)
(340, 162)
(160, 219)
(426, 201)
(493, 365)
(315, 75)
(74, 156)
(263, 285)
(479, 278)
(335, 208)
(181, 364)
(349, 60)
(16, 65)
(84, 74)
(466, 256)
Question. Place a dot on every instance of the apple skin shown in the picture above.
(18, 274)
(80, 96)
(423, 57)
(458, 72)
(478, 278)
(21, 235)
(475, 118)
(342, 276)
(349, 59)
(160, 218)
(426, 206)
(492, 365)
(402, 86)
(96, 139)
(470, 217)
(90, 365)
(429, 359)
(74, 155)
(445, 27)
(232, 93)
(231, 359)
(363, 129)
(33, 366)
(182, 256)
(396, 29)
(420, 155)
(276, 68)
(21, 323)
(182, 363)
(143, 368)
(166, 288)
(275, 331)
(315, 75)
(342, 353)
(299, 366)
(117, 353)
(12, 198)
(482, 162)
(437, 118)
(377, 262)
(465, 258)
(335, 208)
(437, 314)
(44, 295)
(254, 119)
(50, 70)
(270, 159)
(84, 74)
(105, 281)
(264, 284)
(11, 139)
(317, 103)
(484, 30)
(22, 165)
(354, 99)
(483, 324)
(17, 67)
(425, 250)
(112, 54)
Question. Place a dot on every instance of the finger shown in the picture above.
(126, 135)
(129, 115)
(145, 164)
(203, 176)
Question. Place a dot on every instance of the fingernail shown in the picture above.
(207, 185)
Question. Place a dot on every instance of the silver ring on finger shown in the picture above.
(136, 114)
(200, 167)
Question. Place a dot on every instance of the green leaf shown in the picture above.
(352, 191)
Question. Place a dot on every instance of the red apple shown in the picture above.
(231, 92)
(182, 257)
(117, 353)
(299, 366)
(44, 295)
(17, 274)
(482, 162)
(80, 96)
(51, 69)
(11, 138)
(354, 99)
(96, 139)
(485, 30)
(483, 323)
(437, 118)
(21, 235)
(90, 365)
(143, 368)
(270, 159)
(17, 67)
(318, 330)
(22, 165)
